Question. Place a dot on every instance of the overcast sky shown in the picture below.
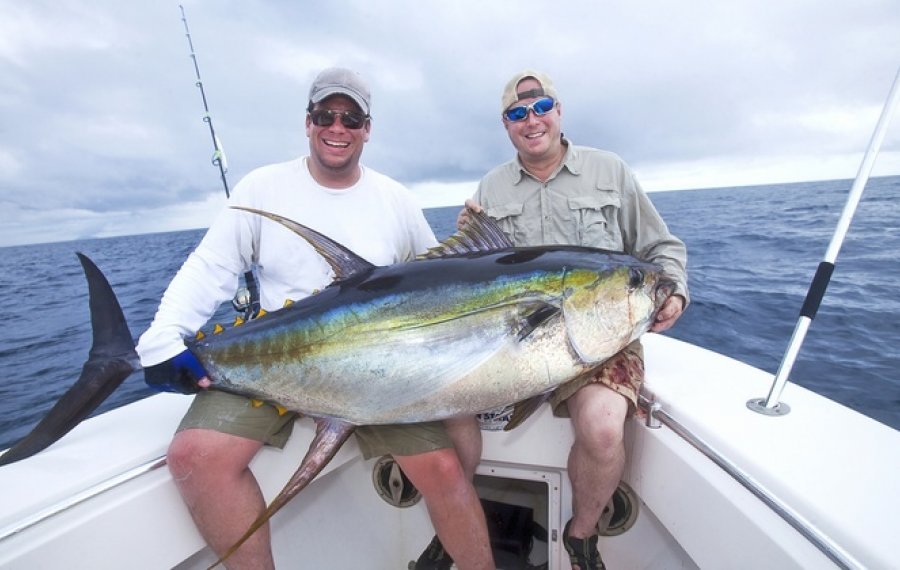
(102, 134)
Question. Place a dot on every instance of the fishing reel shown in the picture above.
(243, 302)
(246, 299)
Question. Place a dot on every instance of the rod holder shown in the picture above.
(759, 405)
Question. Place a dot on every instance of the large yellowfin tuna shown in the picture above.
(473, 325)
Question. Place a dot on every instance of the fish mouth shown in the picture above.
(664, 289)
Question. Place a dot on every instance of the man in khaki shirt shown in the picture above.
(554, 192)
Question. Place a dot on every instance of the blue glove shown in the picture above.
(179, 374)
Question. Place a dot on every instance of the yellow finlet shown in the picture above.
(200, 335)
(279, 408)
(238, 321)
(218, 329)
(288, 302)
(262, 313)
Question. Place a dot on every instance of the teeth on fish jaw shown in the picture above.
(218, 329)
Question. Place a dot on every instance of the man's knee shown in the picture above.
(183, 454)
(600, 433)
(433, 470)
(599, 417)
(200, 451)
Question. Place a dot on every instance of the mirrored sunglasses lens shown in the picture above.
(516, 113)
(543, 106)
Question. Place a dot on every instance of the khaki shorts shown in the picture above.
(623, 373)
(240, 416)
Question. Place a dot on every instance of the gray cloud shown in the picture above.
(102, 121)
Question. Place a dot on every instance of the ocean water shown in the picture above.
(752, 253)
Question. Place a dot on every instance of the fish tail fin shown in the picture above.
(330, 436)
(112, 358)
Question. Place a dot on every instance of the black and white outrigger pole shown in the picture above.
(770, 405)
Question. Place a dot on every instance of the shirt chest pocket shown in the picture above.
(596, 219)
(509, 218)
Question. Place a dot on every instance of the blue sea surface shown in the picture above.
(752, 253)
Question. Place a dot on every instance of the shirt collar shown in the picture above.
(571, 161)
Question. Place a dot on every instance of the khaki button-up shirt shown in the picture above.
(593, 199)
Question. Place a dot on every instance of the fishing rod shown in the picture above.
(770, 405)
(218, 158)
(246, 300)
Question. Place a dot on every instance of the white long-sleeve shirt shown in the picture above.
(377, 218)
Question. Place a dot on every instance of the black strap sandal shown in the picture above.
(433, 558)
(582, 551)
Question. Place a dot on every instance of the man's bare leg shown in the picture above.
(453, 506)
(597, 457)
(212, 474)
(466, 436)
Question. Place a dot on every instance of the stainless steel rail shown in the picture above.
(78, 498)
(656, 415)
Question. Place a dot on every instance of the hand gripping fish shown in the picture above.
(471, 325)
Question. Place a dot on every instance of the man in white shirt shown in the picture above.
(369, 213)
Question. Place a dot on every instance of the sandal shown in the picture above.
(582, 551)
(433, 558)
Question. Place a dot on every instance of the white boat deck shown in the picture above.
(833, 467)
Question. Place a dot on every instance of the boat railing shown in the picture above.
(80, 497)
(656, 417)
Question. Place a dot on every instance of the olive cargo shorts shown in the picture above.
(241, 416)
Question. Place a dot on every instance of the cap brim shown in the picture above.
(329, 91)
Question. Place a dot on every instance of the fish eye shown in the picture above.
(635, 278)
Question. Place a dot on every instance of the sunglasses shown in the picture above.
(540, 107)
(350, 119)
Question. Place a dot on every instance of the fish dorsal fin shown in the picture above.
(343, 262)
(480, 233)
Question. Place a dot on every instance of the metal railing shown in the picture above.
(81, 497)
(657, 416)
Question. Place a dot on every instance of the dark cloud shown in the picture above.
(101, 115)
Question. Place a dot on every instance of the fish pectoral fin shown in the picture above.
(536, 315)
(330, 436)
(523, 410)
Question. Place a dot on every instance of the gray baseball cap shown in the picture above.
(340, 81)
